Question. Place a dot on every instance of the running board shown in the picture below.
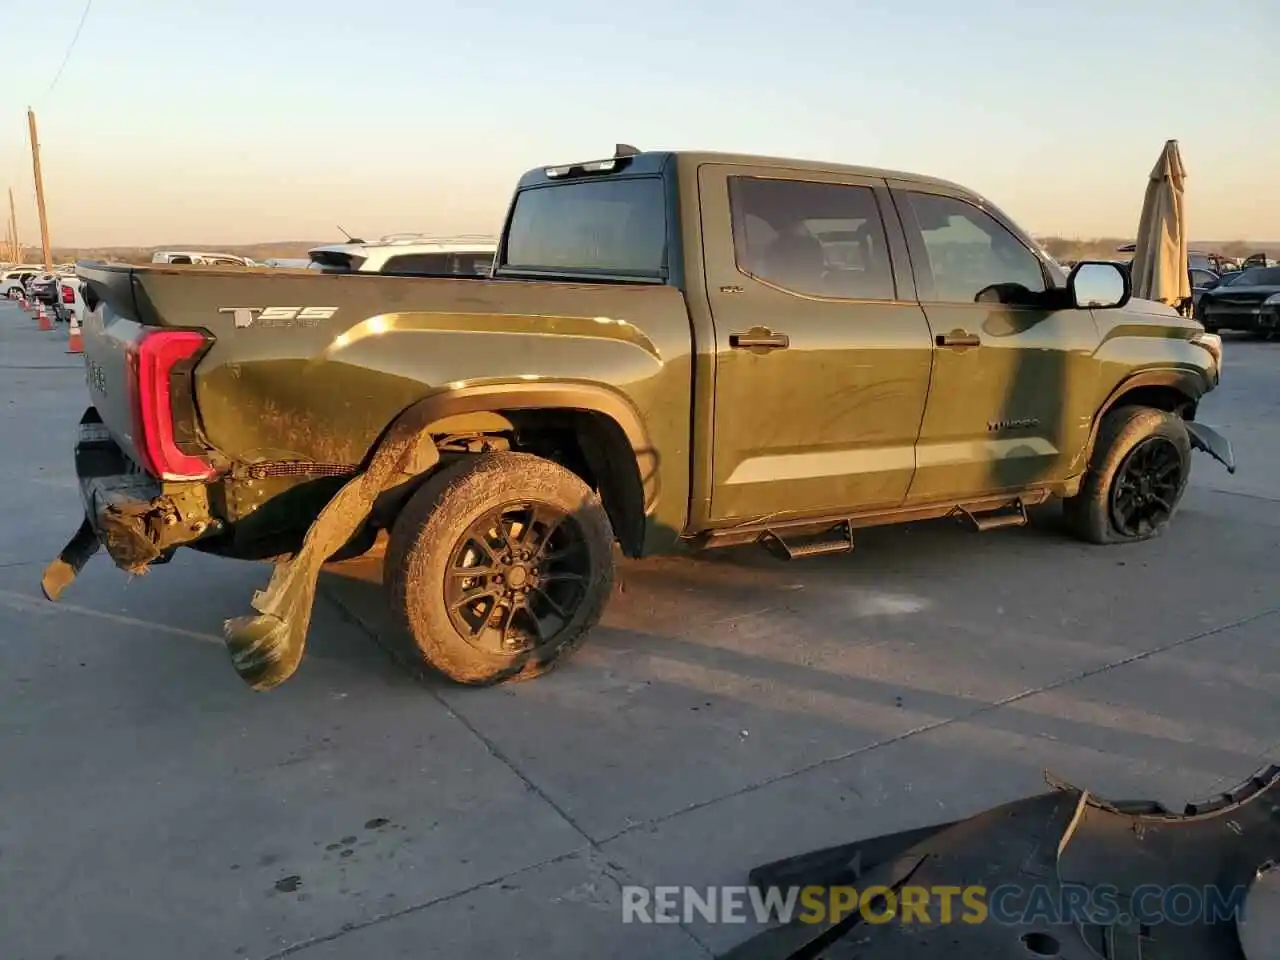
(839, 539)
(1015, 516)
(754, 531)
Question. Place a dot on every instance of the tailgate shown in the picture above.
(110, 329)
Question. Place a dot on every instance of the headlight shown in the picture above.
(1272, 301)
(1213, 343)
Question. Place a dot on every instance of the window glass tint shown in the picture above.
(1257, 276)
(472, 264)
(591, 226)
(418, 264)
(819, 239)
(970, 251)
(1201, 277)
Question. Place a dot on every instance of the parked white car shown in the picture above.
(410, 255)
(203, 258)
(70, 291)
(14, 280)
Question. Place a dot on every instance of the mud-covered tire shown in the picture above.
(1093, 514)
(436, 527)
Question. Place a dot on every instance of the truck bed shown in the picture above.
(300, 366)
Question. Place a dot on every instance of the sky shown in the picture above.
(240, 122)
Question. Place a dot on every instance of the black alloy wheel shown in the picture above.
(1147, 487)
(517, 577)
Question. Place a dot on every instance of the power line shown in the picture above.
(70, 47)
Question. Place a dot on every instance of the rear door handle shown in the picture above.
(759, 339)
(959, 338)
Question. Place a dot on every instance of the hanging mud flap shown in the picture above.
(1213, 443)
(1062, 874)
(267, 648)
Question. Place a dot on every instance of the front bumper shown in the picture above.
(1060, 874)
(1213, 443)
(126, 511)
(1259, 317)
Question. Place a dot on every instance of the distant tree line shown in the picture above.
(1104, 248)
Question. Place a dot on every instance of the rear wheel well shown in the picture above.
(590, 444)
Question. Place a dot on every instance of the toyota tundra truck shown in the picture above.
(676, 351)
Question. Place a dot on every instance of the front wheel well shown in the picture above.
(1158, 397)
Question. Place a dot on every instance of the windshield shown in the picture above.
(1256, 277)
(614, 227)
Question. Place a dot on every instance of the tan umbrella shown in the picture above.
(1160, 254)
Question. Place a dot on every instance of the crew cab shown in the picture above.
(676, 351)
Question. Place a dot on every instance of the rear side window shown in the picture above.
(332, 261)
(615, 227)
(418, 265)
(471, 264)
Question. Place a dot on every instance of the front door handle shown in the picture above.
(759, 338)
(959, 338)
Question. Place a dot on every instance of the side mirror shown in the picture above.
(1099, 285)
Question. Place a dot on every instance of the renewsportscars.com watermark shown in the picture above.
(1013, 905)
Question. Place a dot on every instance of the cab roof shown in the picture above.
(654, 161)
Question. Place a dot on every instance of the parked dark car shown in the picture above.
(1249, 301)
(1202, 280)
(45, 289)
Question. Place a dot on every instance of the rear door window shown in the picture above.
(811, 238)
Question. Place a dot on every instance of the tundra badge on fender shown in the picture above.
(279, 316)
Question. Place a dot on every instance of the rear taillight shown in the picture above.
(160, 365)
(68, 295)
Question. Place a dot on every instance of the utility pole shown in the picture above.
(35, 165)
(13, 230)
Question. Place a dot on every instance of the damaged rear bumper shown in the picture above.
(126, 512)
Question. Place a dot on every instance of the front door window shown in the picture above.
(970, 252)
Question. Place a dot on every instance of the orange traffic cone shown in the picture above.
(22, 301)
(42, 318)
(74, 343)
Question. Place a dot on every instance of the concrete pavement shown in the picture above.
(731, 710)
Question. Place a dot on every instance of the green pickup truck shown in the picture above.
(675, 351)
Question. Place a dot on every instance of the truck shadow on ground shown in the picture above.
(833, 656)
